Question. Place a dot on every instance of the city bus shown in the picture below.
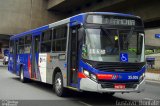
(96, 51)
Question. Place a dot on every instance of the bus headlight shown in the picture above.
(141, 77)
(90, 75)
(86, 73)
(93, 77)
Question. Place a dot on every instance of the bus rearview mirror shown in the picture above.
(81, 34)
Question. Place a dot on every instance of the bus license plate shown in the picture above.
(119, 86)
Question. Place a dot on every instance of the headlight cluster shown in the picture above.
(90, 75)
(141, 77)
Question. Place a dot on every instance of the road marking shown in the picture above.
(153, 81)
(86, 104)
(148, 99)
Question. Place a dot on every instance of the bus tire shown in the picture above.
(22, 78)
(58, 85)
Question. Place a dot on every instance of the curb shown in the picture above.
(3, 66)
(153, 82)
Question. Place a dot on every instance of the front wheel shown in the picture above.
(58, 85)
(22, 75)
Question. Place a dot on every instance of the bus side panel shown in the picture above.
(10, 63)
(53, 62)
(19, 59)
(22, 62)
(37, 68)
(42, 62)
(27, 65)
(17, 64)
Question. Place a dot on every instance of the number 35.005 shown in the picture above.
(132, 77)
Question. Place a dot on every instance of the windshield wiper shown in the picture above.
(129, 35)
(107, 33)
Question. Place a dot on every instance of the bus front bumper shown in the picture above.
(87, 84)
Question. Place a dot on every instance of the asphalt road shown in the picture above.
(36, 93)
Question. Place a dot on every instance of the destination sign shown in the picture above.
(117, 21)
(114, 20)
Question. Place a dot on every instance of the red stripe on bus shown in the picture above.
(81, 75)
(105, 76)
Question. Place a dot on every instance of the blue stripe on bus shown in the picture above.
(30, 32)
(78, 19)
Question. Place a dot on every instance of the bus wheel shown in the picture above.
(58, 85)
(22, 75)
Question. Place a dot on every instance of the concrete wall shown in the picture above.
(147, 10)
(150, 37)
(157, 60)
(20, 15)
(52, 3)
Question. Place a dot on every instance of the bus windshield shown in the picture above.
(106, 45)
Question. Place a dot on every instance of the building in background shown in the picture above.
(17, 16)
(21, 15)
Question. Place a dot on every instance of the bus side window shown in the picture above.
(46, 41)
(59, 39)
(21, 45)
(11, 45)
(27, 45)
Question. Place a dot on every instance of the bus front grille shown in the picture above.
(119, 67)
(115, 66)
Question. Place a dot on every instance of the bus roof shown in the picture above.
(79, 18)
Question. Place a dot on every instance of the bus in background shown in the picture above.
(95, 51)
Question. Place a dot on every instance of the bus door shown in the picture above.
(15, 56)
(34, 56)
(73, 57)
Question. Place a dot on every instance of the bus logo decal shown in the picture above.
(114, 77)
(123, 57)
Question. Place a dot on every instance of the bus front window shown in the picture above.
(106, 44)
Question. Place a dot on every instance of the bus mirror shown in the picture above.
(81, 34)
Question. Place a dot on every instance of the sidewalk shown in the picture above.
(152, 76)
(1, 62)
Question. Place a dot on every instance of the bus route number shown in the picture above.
(132, 77)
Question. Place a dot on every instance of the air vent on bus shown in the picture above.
(118, 67)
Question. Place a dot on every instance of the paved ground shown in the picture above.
(12, 89)
(1, 62)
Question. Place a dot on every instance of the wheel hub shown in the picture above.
(58, 85)
(21, 75)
